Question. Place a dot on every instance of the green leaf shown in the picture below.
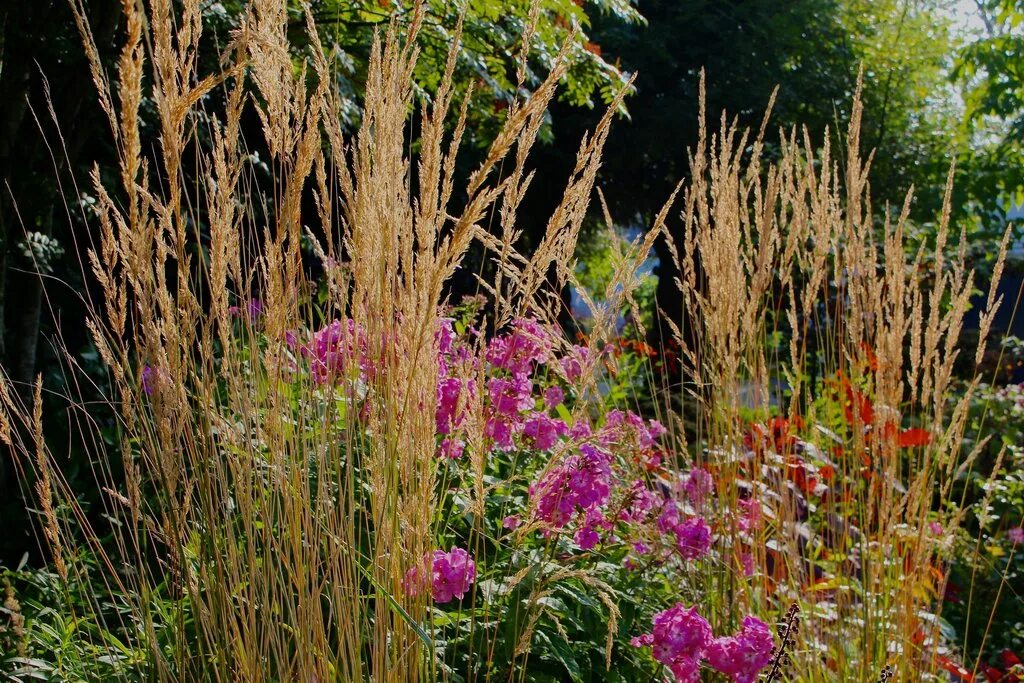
(559, 651)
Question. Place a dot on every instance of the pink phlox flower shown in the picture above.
(451, 449)
(444, 336)
(586, 537)
(750, 517)
(543, 431)
(678, 640)
(591, 481)
(655, 430)
(619, 427)
(553, 502)
(628, 427)
(693, 538)
(669, 517)
(454, 395)
(580, 430)
(522, 349)
(450, 409)
(553, 396)
(1016, 535)
(698, 487)
(581, 481)
(510, 396)
(686, 670)
(572, 363)
(335, 348)
(452, 574)
(744, 655)
(646, 640)
(641, 502)
(511, 522)
(500, 430)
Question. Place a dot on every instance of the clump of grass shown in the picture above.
(264, 528)
(856, 400)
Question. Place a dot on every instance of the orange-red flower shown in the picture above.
(859, 406)
(952, 667)
(777, 432)
(911, 438)
(797, 472)
(870, 358)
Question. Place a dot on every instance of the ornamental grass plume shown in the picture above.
(275, 476)
(848, 433)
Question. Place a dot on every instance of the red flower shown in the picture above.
(951, 593)
(638, 347)
(857, 404)
(992, 674)
(797, 472)
(775, 433)
(860, 406)
(912, 438)
(952, 667)
(870, 359)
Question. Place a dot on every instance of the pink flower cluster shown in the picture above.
(592, 484)
(253, 310)
(581, 481)
(451, 574)
(520, 351)
(573, 363)
(510, 415)
(698, 487)
(641, 502)
(692, 535)
(681, 639)
(742, 656)
(334, 349)
(444, 337)
(542, 431)
(629, 428)
(452, 396)
(678, 640)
